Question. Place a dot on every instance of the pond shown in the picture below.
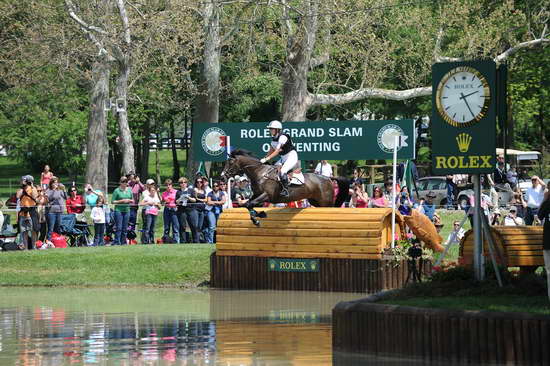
(51, 326)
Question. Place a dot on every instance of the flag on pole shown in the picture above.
(201, 170)
(407, 176)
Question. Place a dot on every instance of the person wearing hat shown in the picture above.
(281, 144)
(429, 205)
(512, 218)
(243, 194)
(456, 235)
(28, 197)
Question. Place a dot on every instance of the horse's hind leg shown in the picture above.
(253, 213)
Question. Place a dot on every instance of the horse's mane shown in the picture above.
(242, 152)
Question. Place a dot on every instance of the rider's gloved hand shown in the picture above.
(262, 160)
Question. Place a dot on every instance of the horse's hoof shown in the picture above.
(256, 222)
(262, 214)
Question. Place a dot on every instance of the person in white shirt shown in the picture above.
(456, 235)
(534, 197)
(98, 217)
(512, 219)
(324, 168)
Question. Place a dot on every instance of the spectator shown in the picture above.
(429, 205)
(388, 189)
(359, 198)
(122, 198)
(45, 177)
(535, 196)
(488, 184)
(405, 202)
(98, 218)
(495, 218)
(12, 202)
(437, 222)
(42, 202)
(196, 204)
(75, 202)
(378, 199)
(512, 218)
(324, 168)
(486, 205)
(244, 193)
(1, 216)
(137, 189)
(451, 191)
(182, 195)
(544, 214)
(456, 235)
(170, 213)
(56, 206)
(150, 201)
(91, 195)
(519, 203)
(512, 177)
(356, 177)
(27, 196)
(214, 204)
(223, 187)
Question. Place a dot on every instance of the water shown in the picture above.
(43, 326)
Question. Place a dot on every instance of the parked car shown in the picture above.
(437, 185)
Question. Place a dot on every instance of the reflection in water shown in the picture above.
(165, 327)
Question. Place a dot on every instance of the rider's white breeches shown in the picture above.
(288, 162)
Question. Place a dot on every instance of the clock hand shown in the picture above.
(467, 95)
(463, 97)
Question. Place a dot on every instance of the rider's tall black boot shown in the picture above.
(284, 182)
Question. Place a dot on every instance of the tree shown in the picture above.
(386, 38)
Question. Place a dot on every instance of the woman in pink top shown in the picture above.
(378, 199)
(45, 177)
(359, 198)
(170, 213)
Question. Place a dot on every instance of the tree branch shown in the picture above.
(509, 52)
(332, 99)
(227, 37)
(124, 19)
(87, 29)
(319, 60)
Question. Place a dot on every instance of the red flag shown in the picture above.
(223, 141)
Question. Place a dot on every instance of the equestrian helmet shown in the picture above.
(275, 124)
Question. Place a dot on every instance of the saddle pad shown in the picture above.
(298, 179)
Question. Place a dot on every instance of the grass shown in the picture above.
(513, 303)
(136, 265)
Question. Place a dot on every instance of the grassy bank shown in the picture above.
(136, 265)
(515, 303)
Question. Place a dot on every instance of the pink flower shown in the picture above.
(409, 235)
(396, 237)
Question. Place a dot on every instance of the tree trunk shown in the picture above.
(125, 136)
(208, 101)
(300, 44)
(97, 147)
(175, 162)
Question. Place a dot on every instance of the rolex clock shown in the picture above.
(463, 96)
(463, 123)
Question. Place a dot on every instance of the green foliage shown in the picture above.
(45, 127)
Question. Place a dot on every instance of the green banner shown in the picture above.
(293, 265)
(315, 140)
(463, 124)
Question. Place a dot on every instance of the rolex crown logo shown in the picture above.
(463, 140)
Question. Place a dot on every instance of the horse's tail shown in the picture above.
(343, 191)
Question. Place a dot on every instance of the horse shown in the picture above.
(266, 187)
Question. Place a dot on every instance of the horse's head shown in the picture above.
(231, 168)
(237, 161)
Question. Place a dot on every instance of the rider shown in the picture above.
(281, 144)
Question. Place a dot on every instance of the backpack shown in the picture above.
(11, 245)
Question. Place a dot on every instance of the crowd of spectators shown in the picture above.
(191, 210)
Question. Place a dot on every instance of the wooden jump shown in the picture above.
(519, 246)
(355, 233)
(346, 245)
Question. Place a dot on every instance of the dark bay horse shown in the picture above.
(266, 187)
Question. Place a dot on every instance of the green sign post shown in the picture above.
(314, 140)
(463, 124)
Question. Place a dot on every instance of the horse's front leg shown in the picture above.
(264, 197)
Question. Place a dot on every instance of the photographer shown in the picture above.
(182, 194)
(405, 203)
(28, 197)
(137, 189)
(359, 199)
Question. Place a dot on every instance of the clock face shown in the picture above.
(463, 96)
